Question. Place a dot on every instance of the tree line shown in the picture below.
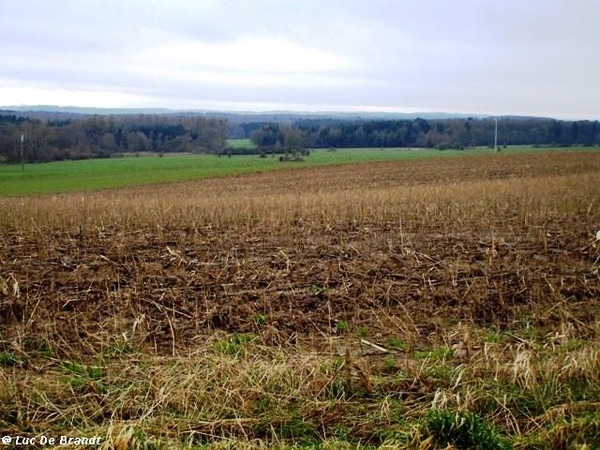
(56, 138)
(440, 134)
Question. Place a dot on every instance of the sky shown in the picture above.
(497, 57)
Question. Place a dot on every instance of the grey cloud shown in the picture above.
(516, 57)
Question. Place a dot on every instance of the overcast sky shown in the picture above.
(529, 57)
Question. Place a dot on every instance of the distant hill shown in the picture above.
(82, 110)
(235, 116)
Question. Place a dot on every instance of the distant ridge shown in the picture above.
(83, 110)
(278, 115)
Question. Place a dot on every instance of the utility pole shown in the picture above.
(496, 136)
(22, 160)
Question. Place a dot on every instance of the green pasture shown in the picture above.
(96, 174)
(240, 143)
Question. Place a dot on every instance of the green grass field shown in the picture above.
(70, 176)
(240, 143)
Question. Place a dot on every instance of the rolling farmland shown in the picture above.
(111, 173)
(407, 303)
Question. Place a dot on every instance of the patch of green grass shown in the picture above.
(142, 441)
(120, 346)
(9, 359)
(316, 290)
(235, 344)
(437, 354)
(97, 174)
(79, 375)
(389, 364)
(240, 143)
(362, 332)
(341, 326)
(295, 428)
(494, 337)
(95, 373)
(463, 430)
(443, 374)
(395, 344)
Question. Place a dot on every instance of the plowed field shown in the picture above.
(413, 251)
(475, 239)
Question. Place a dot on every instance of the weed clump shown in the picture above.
(463, 430)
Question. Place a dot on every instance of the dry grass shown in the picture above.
(333, 307)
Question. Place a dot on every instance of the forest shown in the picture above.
(441, 134)
(52, 137)
(59, 137)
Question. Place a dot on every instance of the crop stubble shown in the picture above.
(401, 248)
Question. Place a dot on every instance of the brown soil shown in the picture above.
(167, 285)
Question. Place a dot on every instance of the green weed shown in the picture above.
(463, 430)
(235, 344)
(341, 326)
(9, 359)
(395, 344)
(438, 354)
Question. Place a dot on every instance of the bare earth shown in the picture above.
(413, 250)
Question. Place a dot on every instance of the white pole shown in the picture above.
(496, 136)
(22, 160)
